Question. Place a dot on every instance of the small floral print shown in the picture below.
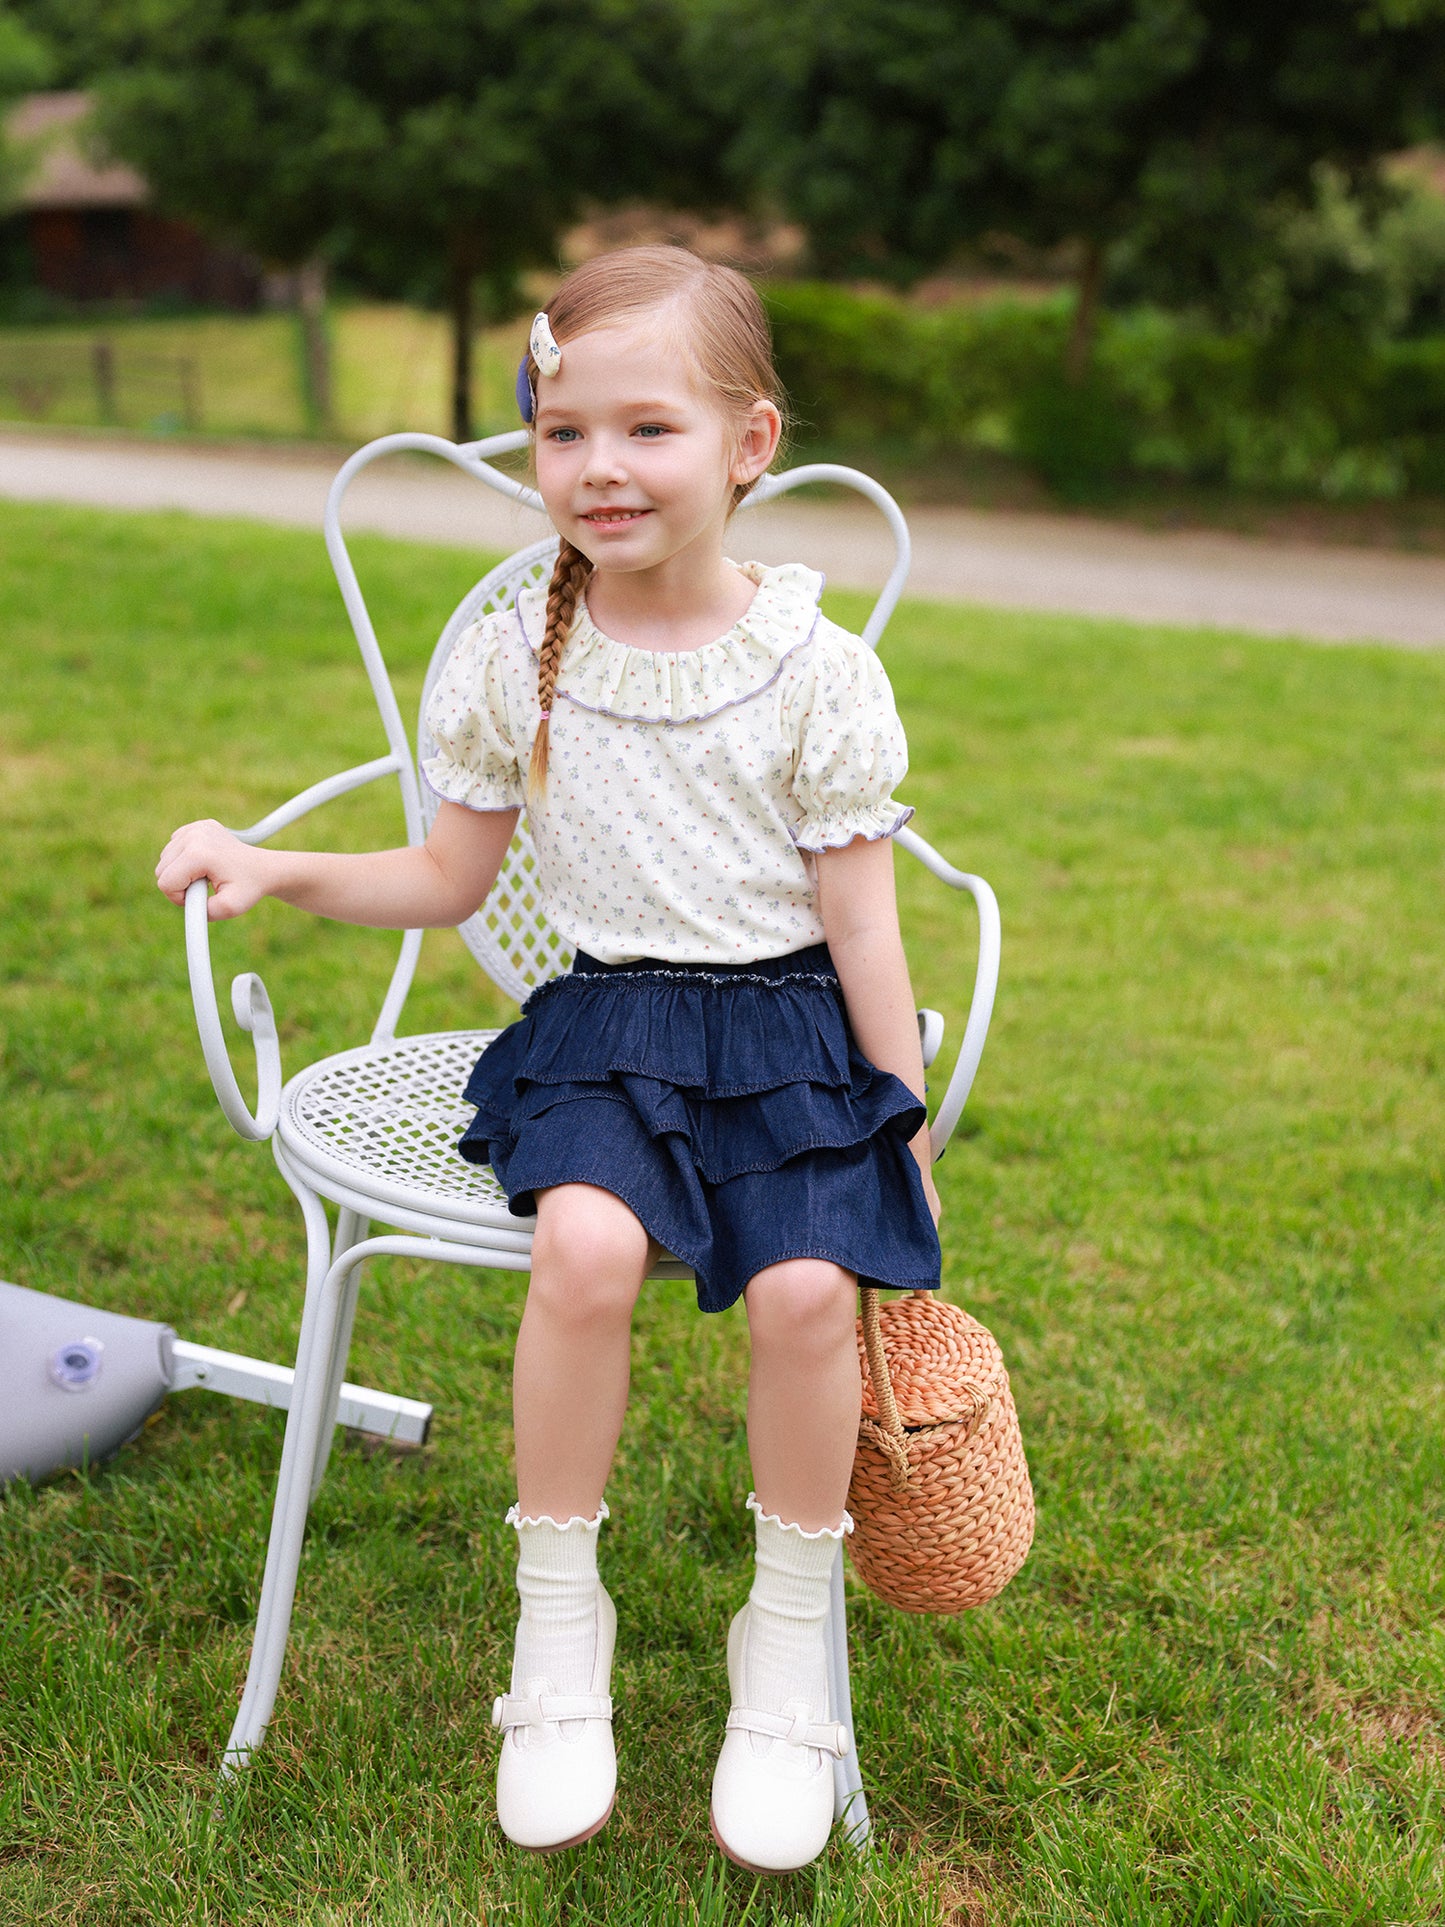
(776, 741)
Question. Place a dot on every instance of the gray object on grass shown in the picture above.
(76, 1384)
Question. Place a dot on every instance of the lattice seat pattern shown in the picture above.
(394, 1112)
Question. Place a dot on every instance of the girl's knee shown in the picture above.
(589, 1255)
(803, 1303)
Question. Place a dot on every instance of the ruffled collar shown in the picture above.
(683, 686)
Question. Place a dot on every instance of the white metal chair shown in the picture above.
(373, 1130)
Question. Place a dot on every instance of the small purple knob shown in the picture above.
(75, 1367)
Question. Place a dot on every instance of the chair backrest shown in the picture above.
(509, 936)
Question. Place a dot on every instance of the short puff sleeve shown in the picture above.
(475, 760)
(851, 749)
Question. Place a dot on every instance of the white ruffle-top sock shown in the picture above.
(786, 1654)
(557, 1586)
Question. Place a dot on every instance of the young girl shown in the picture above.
(731, 1071)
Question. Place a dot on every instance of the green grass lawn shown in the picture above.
(1198, 1199)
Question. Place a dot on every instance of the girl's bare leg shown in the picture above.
(772, 1791)
(570, 1376)
(804, 1389)
(556, 1777)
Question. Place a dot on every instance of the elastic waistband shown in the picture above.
(814, 961)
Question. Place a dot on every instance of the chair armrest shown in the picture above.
(253, 1012)
(985, 984)
(312, 798)
(248, 993)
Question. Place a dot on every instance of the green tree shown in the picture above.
(1362, 260)
(418, 131)
(66, 29)
(898, 131)
(24, 65)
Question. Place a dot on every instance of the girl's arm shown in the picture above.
(859, 907)
(438, 882)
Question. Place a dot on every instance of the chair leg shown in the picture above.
(318, 1258)
(351, 1228)
(850, 1804)
(319, 1318)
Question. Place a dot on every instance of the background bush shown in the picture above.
(1314, 408)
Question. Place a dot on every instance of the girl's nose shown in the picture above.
(605, 466)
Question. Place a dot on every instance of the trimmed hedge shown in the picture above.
(1312, 412)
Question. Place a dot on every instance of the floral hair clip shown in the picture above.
(543, 349)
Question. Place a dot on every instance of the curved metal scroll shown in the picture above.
(252, 1007)
(985, 983)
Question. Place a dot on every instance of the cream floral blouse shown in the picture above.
(686, 791)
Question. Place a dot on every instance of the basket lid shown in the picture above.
(940, 1360)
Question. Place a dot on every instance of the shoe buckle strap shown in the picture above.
(541, 1709)
(795, 1729)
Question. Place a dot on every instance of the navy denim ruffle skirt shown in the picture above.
(727, 1105)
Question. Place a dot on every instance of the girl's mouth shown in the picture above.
(613, 518)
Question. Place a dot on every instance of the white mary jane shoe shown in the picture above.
(557, 1776)
(772, 1807)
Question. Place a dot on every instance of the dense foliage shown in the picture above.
(1316, 411)
(896, 131)
(1366, 258)
(24, 65)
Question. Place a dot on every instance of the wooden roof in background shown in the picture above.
(66, 171)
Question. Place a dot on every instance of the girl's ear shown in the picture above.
(757, 442)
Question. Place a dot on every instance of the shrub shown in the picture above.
(1313, 409)
(848, 363)
(1075, 435)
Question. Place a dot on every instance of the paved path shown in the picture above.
(1009, 560)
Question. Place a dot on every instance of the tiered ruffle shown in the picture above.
(728, 1107)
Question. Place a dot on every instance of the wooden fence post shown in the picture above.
(102, 363)
(190, 392)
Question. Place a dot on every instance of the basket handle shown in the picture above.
(886, 1431)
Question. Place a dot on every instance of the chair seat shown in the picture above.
(377, 1129)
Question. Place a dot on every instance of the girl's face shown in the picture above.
(635, 464)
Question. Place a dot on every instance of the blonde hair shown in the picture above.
(719, 326)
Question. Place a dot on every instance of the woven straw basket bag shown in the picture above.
(942, 1506)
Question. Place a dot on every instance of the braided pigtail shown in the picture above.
(569, 578)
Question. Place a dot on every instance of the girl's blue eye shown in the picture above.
(564, 434)
(652, 430)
